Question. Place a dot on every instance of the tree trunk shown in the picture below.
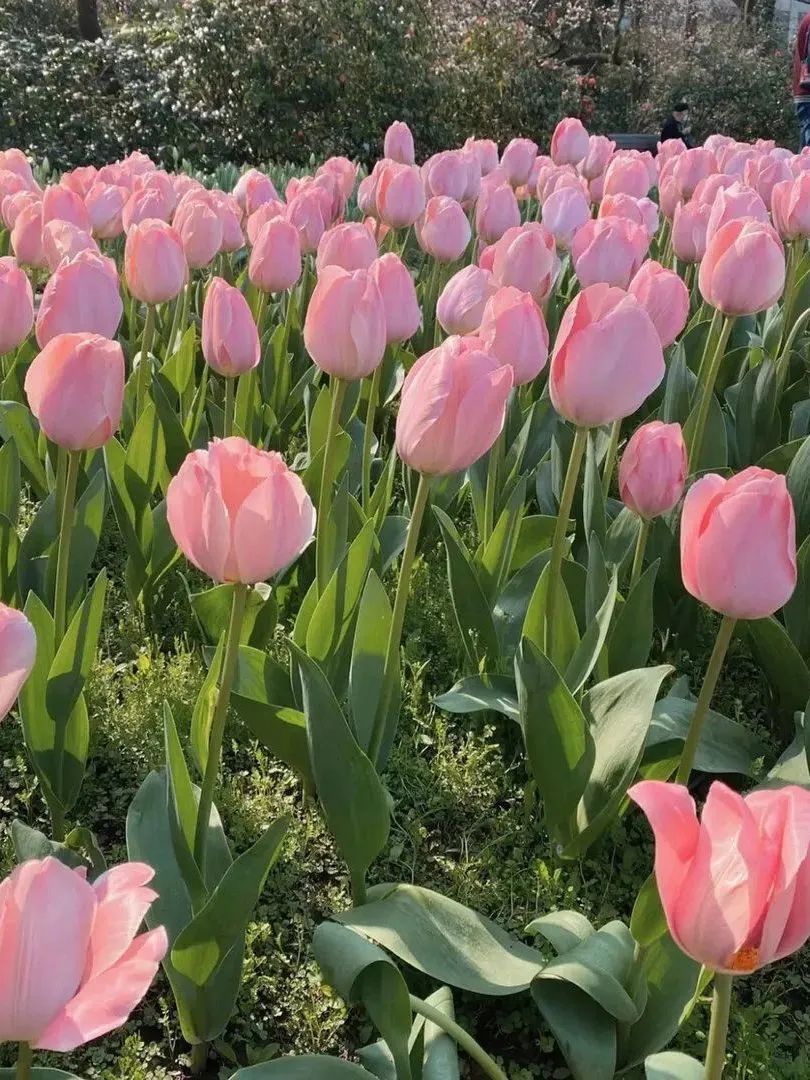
(89, 25)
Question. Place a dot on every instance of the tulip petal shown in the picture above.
(122, 906)
(698, 498)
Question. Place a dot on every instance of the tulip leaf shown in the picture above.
(470, 604)
(593, 501)
(203, 1010)
(648, 922)
(585, 1033)
(797, 609)
(350, 791)
(672, 1065)
(40, 1073)
(204, 944)
(304, 1067)
(204, 707)
(368, 664)
(621, 538)
(566, 631)
(798, 482)
(17, 424)
(433, 1054)
(10, 482)
(793, 767)
(444, 939)
(182, 810)
(781, 662)
(212, 608)
(135, 527)
(9, 556)
(509, 610)
(36, 572)
(361, 972)
(145, 459)
(87, 527)
(535, 535)
(563, 930)
(631, 636)
(32, 844)
(587, 652)
(481, 693)
(498, 555)
(175, 440)
(714, 448)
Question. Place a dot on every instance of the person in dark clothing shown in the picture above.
(801, 81)
(676, 125)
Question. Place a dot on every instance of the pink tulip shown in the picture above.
(764, 173)
(652, 471)
(514, 331)
(16, 306)
(790, 206)
(738, 543)
(308, 213)
(400, 195)
(15, 161)
(734, 886)
(238, 513)
(398, 144)
(461, 304)
(669, 149)
(275, 261)
(63, 240)
(26, 237)
(597, 158)
(664, 297)
(517, 159)
(596, 189)
(230, 340)
(80, 180)
(229, 213)
(732, 204)
(330, 190)
(18, 651)
(12, 184)
(743, 270)
(717, 143)
(689, 227)
(472, 188)
(446, 174)
(59, 203)
(641, 211)
(552, 177)
(105, 206)
(496, 211)
(200, 232)
(80, 296)
(144, 204)
(453, 407)
(607, 358)
(11, 206)
(349, 245)
(266, 213)
(526, 257)
(627, 176)
(609, 250)
(344, 171)
(708, 188)
(564, 212)
(669, 197)
(569, 143)
(443, 231)
(345, 329)
(486, 151)
(254, 188)
(690, 167)
(154, 262)
(367, 194)
(403, 316)
(81, 967)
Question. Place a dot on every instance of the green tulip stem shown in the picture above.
(398, 618)
(178, 311)
(558, 543)
(229, 661)
(496, 457)
(199, 1058)
(143, 379)
(368, 432)
(610, 457)
(227, 427)
(65, 535)
(261, 307)
(322, 561)
(794, 256)
(641, 546)
(25, 1057)
(718, 1031)
(460, 1036)
(704, 700)
(707, 391)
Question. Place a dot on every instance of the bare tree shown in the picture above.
(89, 23)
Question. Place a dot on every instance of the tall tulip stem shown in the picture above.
(707, 392)
(496, 456)
(467, 1043)
(368, 433)
(558, 543)
(718, 1031)
(227, 428)
(143, 380)
(323, 561)
(641, 547)
(398, 617)
(65, 535)
(229, 660)
(25, 1058)
(704, 700)
(610, 457)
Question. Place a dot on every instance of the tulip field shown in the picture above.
(405, 615)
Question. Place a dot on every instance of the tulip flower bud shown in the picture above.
(733, 203)
(496, 211)
(105, 207)
(253, 188)
(16, 305)
(526, 257)
(486, 151)
(59, 203)
(790, 206)
(398, 144)
(275, 261)
(82, 295)
(75, 389)
(63, 240)
(400, 195)
(452, 408)
(743, 270)
(200, 231)
(596, 160)
(230, 340)
(690, 167)
(443, 231)
(26, 237)
(350, 245)
(627, 176)
(689, 226)
(652, 471)
(307, 212)
(517, 160)
(664, 297)
(514, 331)
(345, 328)
(403, 316)
(609, 250)
(564, 212)
(570, 142)
(154, 262)
(460, 307)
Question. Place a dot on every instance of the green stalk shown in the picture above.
(558, 543)
(240, 593)
(641, 545)
(178, 311)
(610, 457)
(368, 433)
(25, 1057)
(704, 700)
(229, 407)
(65, 536)
(783, 362)
(793, 259)
(718, 1031)
(496, 456)
(261, 306)
(322, 560)
(398, 616)
(143, 365)
(707, 393)
(467, 1043)
(199, 1057)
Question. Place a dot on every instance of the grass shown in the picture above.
(461, 825)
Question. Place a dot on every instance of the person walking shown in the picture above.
(676, 125)
(801, 81)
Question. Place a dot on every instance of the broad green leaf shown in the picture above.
(480, 693)
(40, 1073)
(725, 746)
(204, 707)
(368, 662)
(440, 1056)
(562, 929)
(470, 605)
(632, 634)
(648, 922)
(793, 767)
(536, 534)
(30, 843)
(9, 555)
(593, 501)
(10, 482)
(566, 630)
(445, 940)
(17, 424)
(182, 810)
(621, 538)
(587, 652)
(498, 555)
(781, 662)
(305, 1067)
(203, 946)
(203, 1011)
(714, 449)
(585, 1033)
(797, 609)
(88, 524)
(798, 482)
(176, 443)
(509, 611)
(134, 527)
(36, 569)
(351, 793)
(145, 459)
(213, 610)
(672, 1065)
